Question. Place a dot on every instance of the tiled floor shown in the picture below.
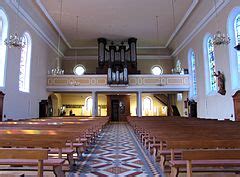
(116, 153)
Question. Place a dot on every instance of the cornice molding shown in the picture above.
(29, 20)
(211, 14)
(140, 57)
(179, 26)
(184, 19)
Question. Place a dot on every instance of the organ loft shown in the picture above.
(117, 60)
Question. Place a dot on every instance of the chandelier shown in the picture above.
(14, 40)
(58, 70)
(219, 38)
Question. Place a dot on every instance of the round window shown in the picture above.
(79, 70)
(157, 70)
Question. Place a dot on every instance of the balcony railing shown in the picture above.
(166, 82)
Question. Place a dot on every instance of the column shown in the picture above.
(94, 104)
(139, 104)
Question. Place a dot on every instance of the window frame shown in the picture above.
(3, 55)
(193, 91)
(234, 70)
(151, 104)
(209, 91)
(87, 108)
(27, 64)
(79, 65)
(158, 67)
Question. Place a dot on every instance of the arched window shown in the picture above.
(3, 36)
(25, 63)
(147, 105)
(88, 104)
(210, 65)
(233, 27)
(237, 38)
(192, 69)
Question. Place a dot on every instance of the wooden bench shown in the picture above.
(31, 157)
(219, 158)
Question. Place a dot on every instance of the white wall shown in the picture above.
(17, 104)
(215, 106)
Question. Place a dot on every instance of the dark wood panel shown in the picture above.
(1, 104)
(236, 101)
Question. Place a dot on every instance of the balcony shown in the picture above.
(98, 83)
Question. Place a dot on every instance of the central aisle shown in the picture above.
(117, 153)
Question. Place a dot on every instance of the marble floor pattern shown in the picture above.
(116, 153)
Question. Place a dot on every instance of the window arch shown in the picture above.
(192, 69)
(233, 26)
(147, 105)
(88, 104)
(25, 63)
(3, 48)
(210, 65)
(237, 37)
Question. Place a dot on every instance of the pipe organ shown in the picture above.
(117, 61)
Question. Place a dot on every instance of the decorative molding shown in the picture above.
(138, 47)
(129, 89)
(44, 10)
(167, 82)
(179, 26)
(28, 19)
(140, 57)
(220, 5)
(184, 19)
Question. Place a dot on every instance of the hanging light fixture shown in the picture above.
(177, 69)
(14, 40)
(58, 70)
(219, 38)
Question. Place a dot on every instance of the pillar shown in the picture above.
(94, 104)
(139, 104)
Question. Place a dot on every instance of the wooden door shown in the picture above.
(115, 110)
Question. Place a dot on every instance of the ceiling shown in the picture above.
(116, 20)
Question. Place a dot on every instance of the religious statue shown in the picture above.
(178, 69)
(221, 83)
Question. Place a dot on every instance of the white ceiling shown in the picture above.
(117, 20)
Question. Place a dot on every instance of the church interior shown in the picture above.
(119, 88)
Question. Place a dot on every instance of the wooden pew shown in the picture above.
(54, 134)
(185, 133)
(31, 157)
(210, 158)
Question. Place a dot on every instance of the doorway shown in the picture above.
(115, 110)
(118, 107)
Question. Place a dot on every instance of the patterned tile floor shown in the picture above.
(116, 153)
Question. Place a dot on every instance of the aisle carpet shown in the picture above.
(116, 153)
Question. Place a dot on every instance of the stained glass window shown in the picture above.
(194, 76)
(3, 36)
(24, 74)
(237, 37)
(211, 64)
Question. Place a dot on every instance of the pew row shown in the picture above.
(167, 138)
(60, 136)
